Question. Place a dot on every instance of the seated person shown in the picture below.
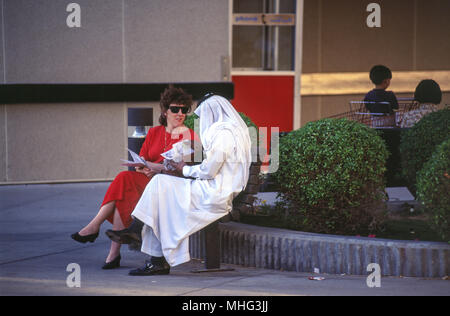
(428, 93)
(194, 196)
(381, 77)
(126, 189)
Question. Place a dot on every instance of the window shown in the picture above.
(263, 34)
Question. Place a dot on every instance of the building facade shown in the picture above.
(289, 61)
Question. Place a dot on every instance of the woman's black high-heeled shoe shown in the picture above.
(113, 264)
(84, 239)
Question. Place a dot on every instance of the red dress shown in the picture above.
(128, 186)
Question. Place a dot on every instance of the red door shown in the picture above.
(267, 100)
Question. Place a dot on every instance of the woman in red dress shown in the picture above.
(126, 189)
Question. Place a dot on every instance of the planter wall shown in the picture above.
(272, 248)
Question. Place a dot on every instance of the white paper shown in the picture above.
(178, 151)
(176, 154)
(137, 161)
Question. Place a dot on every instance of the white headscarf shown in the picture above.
(217, 113)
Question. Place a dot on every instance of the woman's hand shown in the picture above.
(149, 173)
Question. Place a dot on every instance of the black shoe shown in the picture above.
(135, 246)
(84, 239)
(128, 235)
(151, 269)
(124, 236)
(112, 264)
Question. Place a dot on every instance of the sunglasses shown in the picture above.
(176, 109)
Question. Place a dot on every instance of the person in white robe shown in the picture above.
(173, 208)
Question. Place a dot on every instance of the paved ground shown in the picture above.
(36, 249)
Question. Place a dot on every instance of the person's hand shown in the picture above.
(149, 173)
(178, 166)
(139, 169)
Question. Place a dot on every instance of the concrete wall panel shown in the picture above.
(433, 35)
(348, 44)
(41, 48)
(175, 41)
(65, 141)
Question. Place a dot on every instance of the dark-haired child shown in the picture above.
(428, 94)
(381, 77)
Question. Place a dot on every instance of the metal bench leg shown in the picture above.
(212, 246)
(212, 249)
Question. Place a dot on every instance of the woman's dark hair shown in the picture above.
(378, 73)
(428, 91)
(170, 96)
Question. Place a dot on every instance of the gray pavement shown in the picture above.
(36, 249)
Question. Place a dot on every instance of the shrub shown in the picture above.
(419, 142)
(189, 121)
(331, 176)
(433, 187)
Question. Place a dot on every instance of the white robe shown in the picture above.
(173, 208)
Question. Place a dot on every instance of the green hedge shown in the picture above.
(189, 122)
(433, 189)
(331, 175)
(419, 142)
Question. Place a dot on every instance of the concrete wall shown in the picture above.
(65, 141)
(175, 41)
(130, 41)
(41, 48)
(119, 41)
(413, 36)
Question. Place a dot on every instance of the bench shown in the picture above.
(243, 203)
(212, 247)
